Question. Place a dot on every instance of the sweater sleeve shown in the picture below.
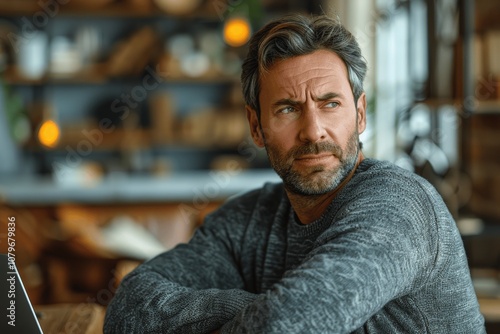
(194, 288)
(379, 248)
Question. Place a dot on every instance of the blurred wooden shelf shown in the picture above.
(488, 107)
(10, 8)
(92, 75)
(96, 74)
(185, 186)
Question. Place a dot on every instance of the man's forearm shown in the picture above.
(147, 303)
(193, 288)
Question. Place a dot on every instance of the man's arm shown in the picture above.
(194, 288)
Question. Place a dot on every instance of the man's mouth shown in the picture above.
(314, 156)
(314, 159)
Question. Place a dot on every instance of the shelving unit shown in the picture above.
(77, 99)
(481, 108)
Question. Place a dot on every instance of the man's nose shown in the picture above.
(312, 126)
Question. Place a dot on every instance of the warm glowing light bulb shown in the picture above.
(237, 31)
(49, 134)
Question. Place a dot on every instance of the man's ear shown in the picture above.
(361, 113)
(253, 122)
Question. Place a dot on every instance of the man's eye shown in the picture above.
(332, 104)
(286, 110)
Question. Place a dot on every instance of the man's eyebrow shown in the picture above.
(327, 96)
(288, 102)
(324, 97)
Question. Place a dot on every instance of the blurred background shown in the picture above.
(122, 124)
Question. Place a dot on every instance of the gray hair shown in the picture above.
(296, 35)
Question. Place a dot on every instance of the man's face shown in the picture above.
(309, 122)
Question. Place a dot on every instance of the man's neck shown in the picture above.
(310, 208)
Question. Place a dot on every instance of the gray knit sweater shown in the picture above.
(385, 257)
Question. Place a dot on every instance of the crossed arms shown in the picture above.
(352, 272)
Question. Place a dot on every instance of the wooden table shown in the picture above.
(84, 318)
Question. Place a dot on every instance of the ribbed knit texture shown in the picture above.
(386, 257)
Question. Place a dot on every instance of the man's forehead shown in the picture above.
(323, 70)
(321, 64)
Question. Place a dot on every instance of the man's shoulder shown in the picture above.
(267, 196)
(389, 173)
(383, 179)
(370, 165)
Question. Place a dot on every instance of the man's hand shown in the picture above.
(215, 332)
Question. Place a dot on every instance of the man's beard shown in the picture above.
(319, 179)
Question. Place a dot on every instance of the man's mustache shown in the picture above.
(316, 148)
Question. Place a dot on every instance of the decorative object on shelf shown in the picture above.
(214, 127)
(200, 55)
(177, 47)
(131, 56)
(196, 64)
(85, 174)
(32, 55)
(65, 58)
(237, 31)
(135, 158)
(162, 112)
(178, 7)
(49, 133)
(88, 41)
(15, 115)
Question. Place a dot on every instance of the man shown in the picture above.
(344, 245)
